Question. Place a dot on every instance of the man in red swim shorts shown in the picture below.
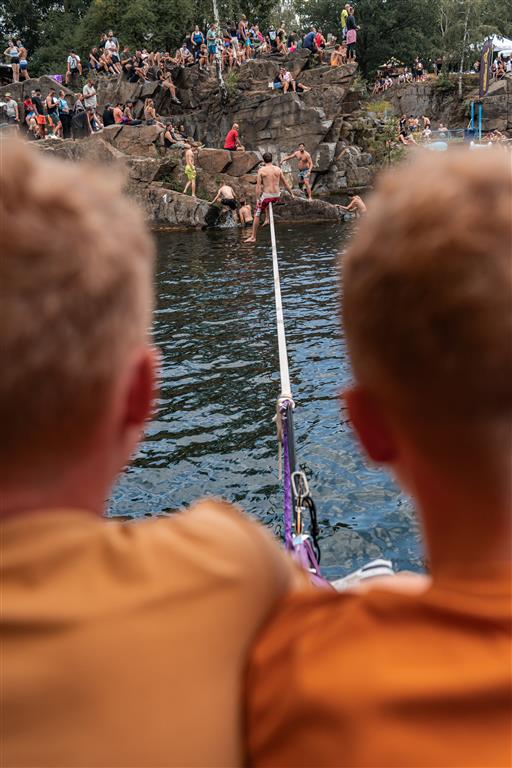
(268, 190)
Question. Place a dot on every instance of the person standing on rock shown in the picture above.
(343, 19)
(89, 94)
(197, 40)
(12, 111)
(190, 171)
(64, 115)
(268, 190)
(232, 141)
(13, 53)
(305, 162)
(351, 35)
(211, 39)
(24, 75)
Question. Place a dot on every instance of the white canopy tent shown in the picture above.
(501, 43)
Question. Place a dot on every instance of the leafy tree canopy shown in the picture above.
(401, 28)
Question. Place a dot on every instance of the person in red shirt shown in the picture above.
(232, 142)
(320, 45)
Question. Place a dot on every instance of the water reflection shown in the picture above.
(213, 432)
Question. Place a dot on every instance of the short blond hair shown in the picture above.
(427, 288)
(76, 281)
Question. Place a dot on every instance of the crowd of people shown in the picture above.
(229, 46)
(396, 73)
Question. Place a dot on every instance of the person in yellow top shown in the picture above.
(123, 644)
(393, 677)
(343, 19)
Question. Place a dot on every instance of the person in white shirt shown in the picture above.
(74, 66)
(11, 110)
(112, 46)
(89, 93)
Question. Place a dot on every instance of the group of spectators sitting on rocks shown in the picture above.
(230, 46)
(57, 116)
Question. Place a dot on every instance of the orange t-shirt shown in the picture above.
(125, 644)
(385, 680)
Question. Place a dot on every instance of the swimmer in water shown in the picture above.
(356, 206)
(245, 214)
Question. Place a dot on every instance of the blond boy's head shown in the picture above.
(76, 277)
(427, 296)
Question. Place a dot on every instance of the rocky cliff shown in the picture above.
(440, 101)
(269, 120)
(326, 118)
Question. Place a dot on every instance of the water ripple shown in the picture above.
(213, 431)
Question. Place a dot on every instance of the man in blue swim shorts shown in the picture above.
(305, 162)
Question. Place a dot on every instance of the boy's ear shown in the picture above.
(371, 425)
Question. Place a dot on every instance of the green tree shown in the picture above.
(463, 27)
(400, 28)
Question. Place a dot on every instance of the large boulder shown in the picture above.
(15, 89)
(165, 207)
(23, 89)
(358, 177)
(298, 208)
(142, 170)
(214, 160)
(137, 140)
(65, 149)
(113, 90)
(323, 156)
(278, 122)
(243, 163)
(497, 106)
(98, 151)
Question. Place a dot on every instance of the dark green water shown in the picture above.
(213, 433)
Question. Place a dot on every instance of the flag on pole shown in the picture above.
(485, 67)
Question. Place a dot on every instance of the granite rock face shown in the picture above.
(269, 120)
(439, 104)
(324, 119)
(497, 112)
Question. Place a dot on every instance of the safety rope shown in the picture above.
(297, 499)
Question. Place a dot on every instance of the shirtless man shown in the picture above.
(227, 197)
(190, 171)
(245, 214)
(268, 190)
(356, 205)
(305, 167)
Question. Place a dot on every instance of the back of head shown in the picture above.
(267, 157)
(76, 274)
(427, 293)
